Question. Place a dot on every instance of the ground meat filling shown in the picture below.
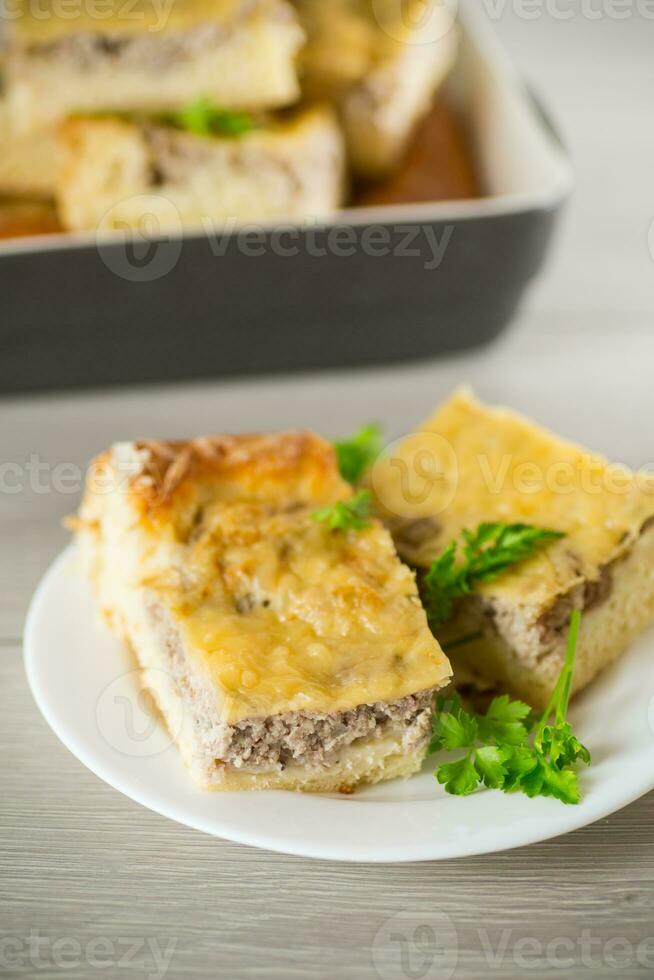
(296, 738)
(537, 638)
(588, 595)
(174, 155)
(149, 52)
(316, 740)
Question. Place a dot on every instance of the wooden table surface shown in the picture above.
(92, 884)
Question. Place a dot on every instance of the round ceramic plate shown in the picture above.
(86, 685)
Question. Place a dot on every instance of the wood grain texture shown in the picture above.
(80, 862)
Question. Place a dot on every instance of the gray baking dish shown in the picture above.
(374, 285)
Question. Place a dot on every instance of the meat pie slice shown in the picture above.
(381, 63)
(282, 654)
(140, 173)
(27, 160)
(149, 56)
(470, 464)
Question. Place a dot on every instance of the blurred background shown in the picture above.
(595, 71)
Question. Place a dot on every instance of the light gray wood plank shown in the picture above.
(29, 547)
(79, 860)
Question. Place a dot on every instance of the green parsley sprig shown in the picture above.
(203, 118)
(506, 748)
(487, 552)
(347, 515)
(358, 452)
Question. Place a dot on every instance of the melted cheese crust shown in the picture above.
(468, 464)
(276, 612)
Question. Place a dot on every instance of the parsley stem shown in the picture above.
(573, 637)
(501, 750)
(560, 696)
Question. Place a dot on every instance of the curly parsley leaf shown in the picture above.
(518, 764)
(560, 744)
(358, 452)
(489, 763)
(347, 515)
(452, 726)
(459, 778)
(543, 779)
(487, 552)
(442, 585)
(493, 548)
(504, 722)
(203, 118)
(503, 749)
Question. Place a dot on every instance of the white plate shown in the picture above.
(86, 686)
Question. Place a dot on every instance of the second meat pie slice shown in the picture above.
(381, 64)
(282, 653)
(121, 173)
(137, 55)
(469, 464)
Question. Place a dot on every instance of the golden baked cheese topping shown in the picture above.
(468, 464)
(287, 615)
(282, 613)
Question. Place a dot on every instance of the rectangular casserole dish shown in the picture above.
(375, 285)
